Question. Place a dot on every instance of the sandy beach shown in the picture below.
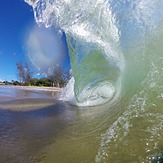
(37, 88)
(25, 98)
(10, 93)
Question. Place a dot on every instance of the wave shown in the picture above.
(90, 39)
(102, 38)
(115, 49)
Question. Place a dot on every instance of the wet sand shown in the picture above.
(25, 98)
(36, 88)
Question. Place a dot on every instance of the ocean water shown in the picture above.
(112, 108)
(43, 129)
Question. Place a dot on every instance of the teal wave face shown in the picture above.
(95, 75)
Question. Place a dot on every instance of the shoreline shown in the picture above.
(27, 97)
(42, 88)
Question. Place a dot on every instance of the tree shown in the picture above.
(20, 70)
(34, 82)
(58, 78)
(28, 75)
(15, 83)
(24, 73)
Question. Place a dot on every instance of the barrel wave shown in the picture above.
(93, 41)
(116, 54)
(102, 36)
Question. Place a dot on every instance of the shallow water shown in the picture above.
(45, 130)
(25, 92)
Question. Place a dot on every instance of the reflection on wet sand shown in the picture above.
(20, 92)
(24, 134)
(29, 121)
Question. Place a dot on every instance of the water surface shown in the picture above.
(45, 130)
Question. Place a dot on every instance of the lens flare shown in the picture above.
(45, 49)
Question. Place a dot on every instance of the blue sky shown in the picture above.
(16, 20)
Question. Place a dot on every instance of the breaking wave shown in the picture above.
(116, 52)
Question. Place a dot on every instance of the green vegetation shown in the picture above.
(57, 79)
(24, 73)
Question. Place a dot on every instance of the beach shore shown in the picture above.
(36, 88)
(26, 98)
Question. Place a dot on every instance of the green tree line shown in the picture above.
(25, 77)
